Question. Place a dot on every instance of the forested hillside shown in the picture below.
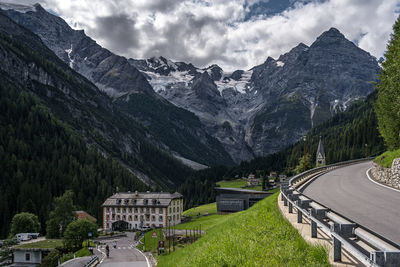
(40, 158)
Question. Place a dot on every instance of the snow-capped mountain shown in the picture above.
(250, 112)
(262, 110)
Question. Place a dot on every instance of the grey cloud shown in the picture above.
(118, 32)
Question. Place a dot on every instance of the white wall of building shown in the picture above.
(35, 257)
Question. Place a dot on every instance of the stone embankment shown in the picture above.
(387, 176)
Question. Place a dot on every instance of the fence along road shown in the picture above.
(348, 191)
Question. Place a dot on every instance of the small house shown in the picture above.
(252, 180)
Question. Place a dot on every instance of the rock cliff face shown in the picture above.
(111, 73)
(270, 106)
(180, 131)
(251, 113)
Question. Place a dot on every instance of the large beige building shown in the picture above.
(137, 210)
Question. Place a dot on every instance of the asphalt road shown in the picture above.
(124, 255)
(348, 191)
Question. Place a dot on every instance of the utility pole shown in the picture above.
(304, 139)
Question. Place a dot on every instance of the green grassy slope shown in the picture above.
(209, 208)
(386, 159)
(259, 236)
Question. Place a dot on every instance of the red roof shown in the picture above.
(84, 215)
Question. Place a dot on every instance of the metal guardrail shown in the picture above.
(343, 231)
(93, 262)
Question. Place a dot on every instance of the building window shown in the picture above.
(107, 217)
(153, 210)
(136, 217)
(27, 256)
(141, 218)
(170, 210)
(173, 218)
(113, 216)
(161, 211)
(141, 210)
(130, 218)
(147, 210)
(177, 209)
(153, 218)
(118, 210)
(108, 209)
(130, 210)
(173, 209)
(136, 210)
(160, 218)
(124, 218)
(107, 225)
(118, 217)
(123, 210)
(147, 217)
(113, 210)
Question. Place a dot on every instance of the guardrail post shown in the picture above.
(299, 216)
(337, 246)
(378, 257)
(386, 258)
(313, 224)
(290, 207)
(285, 202)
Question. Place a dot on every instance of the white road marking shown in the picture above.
(372, 180)
(104, 255)
(147, 260)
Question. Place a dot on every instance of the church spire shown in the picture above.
(320, 154)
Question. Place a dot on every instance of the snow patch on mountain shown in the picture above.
(163, 82)
(71, 61)
(242, 85)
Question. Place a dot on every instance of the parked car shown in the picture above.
(23, 237)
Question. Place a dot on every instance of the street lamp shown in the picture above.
(304, 161)
(169, 233)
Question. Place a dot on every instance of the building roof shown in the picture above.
(320, 149)
(162, 199)
(84, 215)
(239, 190)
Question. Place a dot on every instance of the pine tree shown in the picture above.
(388, 104)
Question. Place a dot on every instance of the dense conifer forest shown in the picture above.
(41, 157)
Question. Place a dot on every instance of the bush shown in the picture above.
(51, 260)
(77, 231)
(25, 222)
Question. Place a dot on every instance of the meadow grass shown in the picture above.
(48, 243)
(386, 159)
(238, 183)
(210, 208)
(259, 236)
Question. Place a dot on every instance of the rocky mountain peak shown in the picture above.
(215, 72)
(332, 38)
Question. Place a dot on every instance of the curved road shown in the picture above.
(124, 255)
(349, 192)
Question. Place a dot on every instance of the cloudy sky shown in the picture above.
(235, 34)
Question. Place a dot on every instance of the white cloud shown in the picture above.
(205, 32)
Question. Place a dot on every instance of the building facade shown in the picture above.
(252, 180)
(137, 210)
(29, 257)
(235, 199)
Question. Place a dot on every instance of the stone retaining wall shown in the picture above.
(388, 176)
